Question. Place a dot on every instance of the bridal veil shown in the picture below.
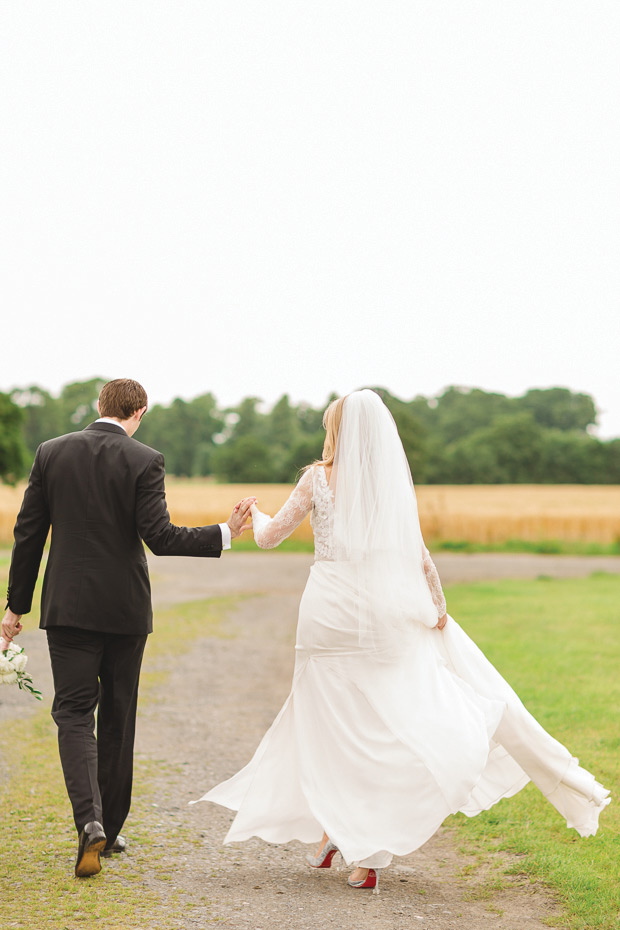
(376, 525)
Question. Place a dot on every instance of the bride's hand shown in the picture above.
(442, 622)
(246, 500)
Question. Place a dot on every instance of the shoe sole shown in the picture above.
(90, 863)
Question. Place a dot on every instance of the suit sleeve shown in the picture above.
(153, 520)
(31, 529)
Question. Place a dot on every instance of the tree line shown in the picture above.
(462, 436)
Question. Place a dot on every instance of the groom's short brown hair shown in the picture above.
(121, 398)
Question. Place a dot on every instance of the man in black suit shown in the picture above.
(102, 493)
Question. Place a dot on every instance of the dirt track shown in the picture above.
(206, 723)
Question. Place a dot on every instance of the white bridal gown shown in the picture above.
(378, 753)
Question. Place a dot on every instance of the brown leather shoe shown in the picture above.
(90, 844)
(118, 846)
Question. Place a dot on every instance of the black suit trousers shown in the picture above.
(91, 670)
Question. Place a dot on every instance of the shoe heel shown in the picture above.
(90, 863)
(324, 860)
(91, 844)
(371, 881)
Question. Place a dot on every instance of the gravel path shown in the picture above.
(205, 725)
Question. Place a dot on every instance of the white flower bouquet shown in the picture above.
(13, 662)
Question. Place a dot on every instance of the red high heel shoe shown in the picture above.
(371, 881)
(324, 858)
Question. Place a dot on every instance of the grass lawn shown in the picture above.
(542, 547)
(557, 643)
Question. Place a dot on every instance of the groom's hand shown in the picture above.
(240, 514)
(11, 626)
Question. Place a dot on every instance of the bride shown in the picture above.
(395, 718)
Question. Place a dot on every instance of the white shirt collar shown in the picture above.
(110, 420)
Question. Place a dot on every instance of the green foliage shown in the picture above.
(41, 415)
(458, 412)
(184, 432)
(307, 449)
(13, 452)
(243, 460)
(475, 437)
(46, 416)
(506, 452)
(78, 403)
(462, 436)
(559, 408)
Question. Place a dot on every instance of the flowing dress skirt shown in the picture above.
(378, 752)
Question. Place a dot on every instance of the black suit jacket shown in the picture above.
(102, 492)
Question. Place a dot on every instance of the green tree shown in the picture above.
(13, 453)
(42, 418)
(573, 458)
(183, 433)
(460, 411)
(248, 420)
(612, 463)
(282, 423)
(559, 408)
(306, 450)
(283, 433)
(243, 460)
(77, 404)
(507, 452)
(310, 419)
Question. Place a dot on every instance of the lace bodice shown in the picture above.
(322, 516)
(313, 494)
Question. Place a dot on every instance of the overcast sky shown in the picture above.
(269, 196)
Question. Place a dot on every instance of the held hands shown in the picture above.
(11, 626)
(240, 514)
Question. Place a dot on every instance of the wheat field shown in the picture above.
(475, 513)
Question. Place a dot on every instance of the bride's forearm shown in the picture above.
(261, 523)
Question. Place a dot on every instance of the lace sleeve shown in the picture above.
(270, 531)
(434, 584)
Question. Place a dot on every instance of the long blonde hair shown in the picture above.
(331, 424)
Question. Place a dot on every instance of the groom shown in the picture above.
(102, 493)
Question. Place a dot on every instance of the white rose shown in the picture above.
(19, 662)
(5, 665)
(10, 679)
